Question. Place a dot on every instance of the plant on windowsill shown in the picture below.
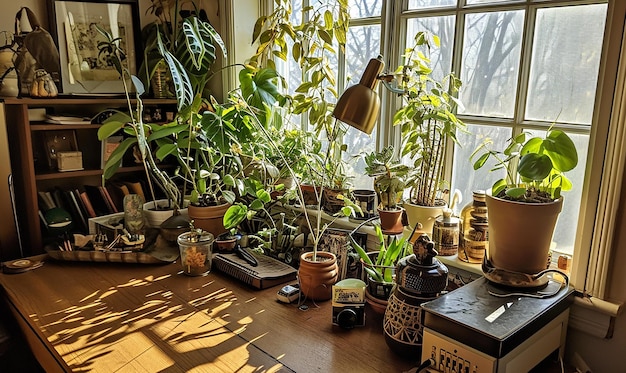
(380, 265)
(389, 175)
(524, 206)
(428, 124)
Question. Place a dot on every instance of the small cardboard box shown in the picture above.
(70, 160)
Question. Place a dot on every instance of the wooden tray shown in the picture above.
(157, 252)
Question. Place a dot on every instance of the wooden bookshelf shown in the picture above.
(31, 169)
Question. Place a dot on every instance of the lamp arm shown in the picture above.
(386, 81)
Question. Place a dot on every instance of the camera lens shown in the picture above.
(347, 318)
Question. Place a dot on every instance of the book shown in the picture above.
(107, 197)
(45, 201)
(78, 218)
(135, 187)
(98, 201)
(87, 203)
(65, 119)
(118, 191)
(269, 271)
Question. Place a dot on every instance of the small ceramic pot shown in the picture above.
(317, 277)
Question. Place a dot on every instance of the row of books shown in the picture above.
(89, 201)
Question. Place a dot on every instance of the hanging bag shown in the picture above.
(36, 50)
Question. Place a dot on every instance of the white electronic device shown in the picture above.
(288, 293)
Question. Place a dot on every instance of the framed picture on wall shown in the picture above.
(74, 27)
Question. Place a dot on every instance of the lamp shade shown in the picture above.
(359, 105)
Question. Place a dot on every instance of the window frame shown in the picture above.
(605, 123)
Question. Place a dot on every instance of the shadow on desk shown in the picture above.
(15, 355)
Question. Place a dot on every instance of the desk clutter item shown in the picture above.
(20, 265)
(155, 251)
(269, 271)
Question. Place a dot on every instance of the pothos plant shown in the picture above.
(427, 119)
(535, 166)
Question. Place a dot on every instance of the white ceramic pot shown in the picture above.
(154, 217)
(424, 215)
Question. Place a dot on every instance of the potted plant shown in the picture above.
(428, 124)
(379, 266)
(313, 45)
(524, 206)
(389, 185)
(184, 33)
(132, 124)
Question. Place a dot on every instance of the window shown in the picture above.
(525, 66)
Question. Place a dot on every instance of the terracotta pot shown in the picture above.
(317, 277)
(424, 215)
(209, 218)
(392, 221)
(225, 244)
(309, 194)
(520, 234)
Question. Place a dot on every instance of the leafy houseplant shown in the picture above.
(427, 119)
(523, 207)
(132, 124)
(388, 177)
(187, 35)
(428, 123)
(380, 266)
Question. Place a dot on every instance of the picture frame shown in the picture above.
(84, 71)
(58, 141)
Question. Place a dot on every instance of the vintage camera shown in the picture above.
(348, 303)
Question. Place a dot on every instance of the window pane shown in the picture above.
(491, 58)
(443, 27)
(565, 61)
(421, 4)
(363, 43)
(365, 8)
(464, 177)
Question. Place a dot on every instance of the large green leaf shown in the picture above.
(534, 166)
(561, 150)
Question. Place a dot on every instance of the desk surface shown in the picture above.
(108, 317)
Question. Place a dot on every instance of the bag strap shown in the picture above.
(32, 19)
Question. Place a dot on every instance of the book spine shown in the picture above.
(87, 203)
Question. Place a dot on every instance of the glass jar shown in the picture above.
(446, 234)
(196, 252)
(474, 236)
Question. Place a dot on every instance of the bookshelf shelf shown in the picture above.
(33, 171)
(73, 174)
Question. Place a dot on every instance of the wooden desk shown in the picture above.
(109, 317)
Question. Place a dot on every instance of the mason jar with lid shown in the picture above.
(196, 252)
(446, 234)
